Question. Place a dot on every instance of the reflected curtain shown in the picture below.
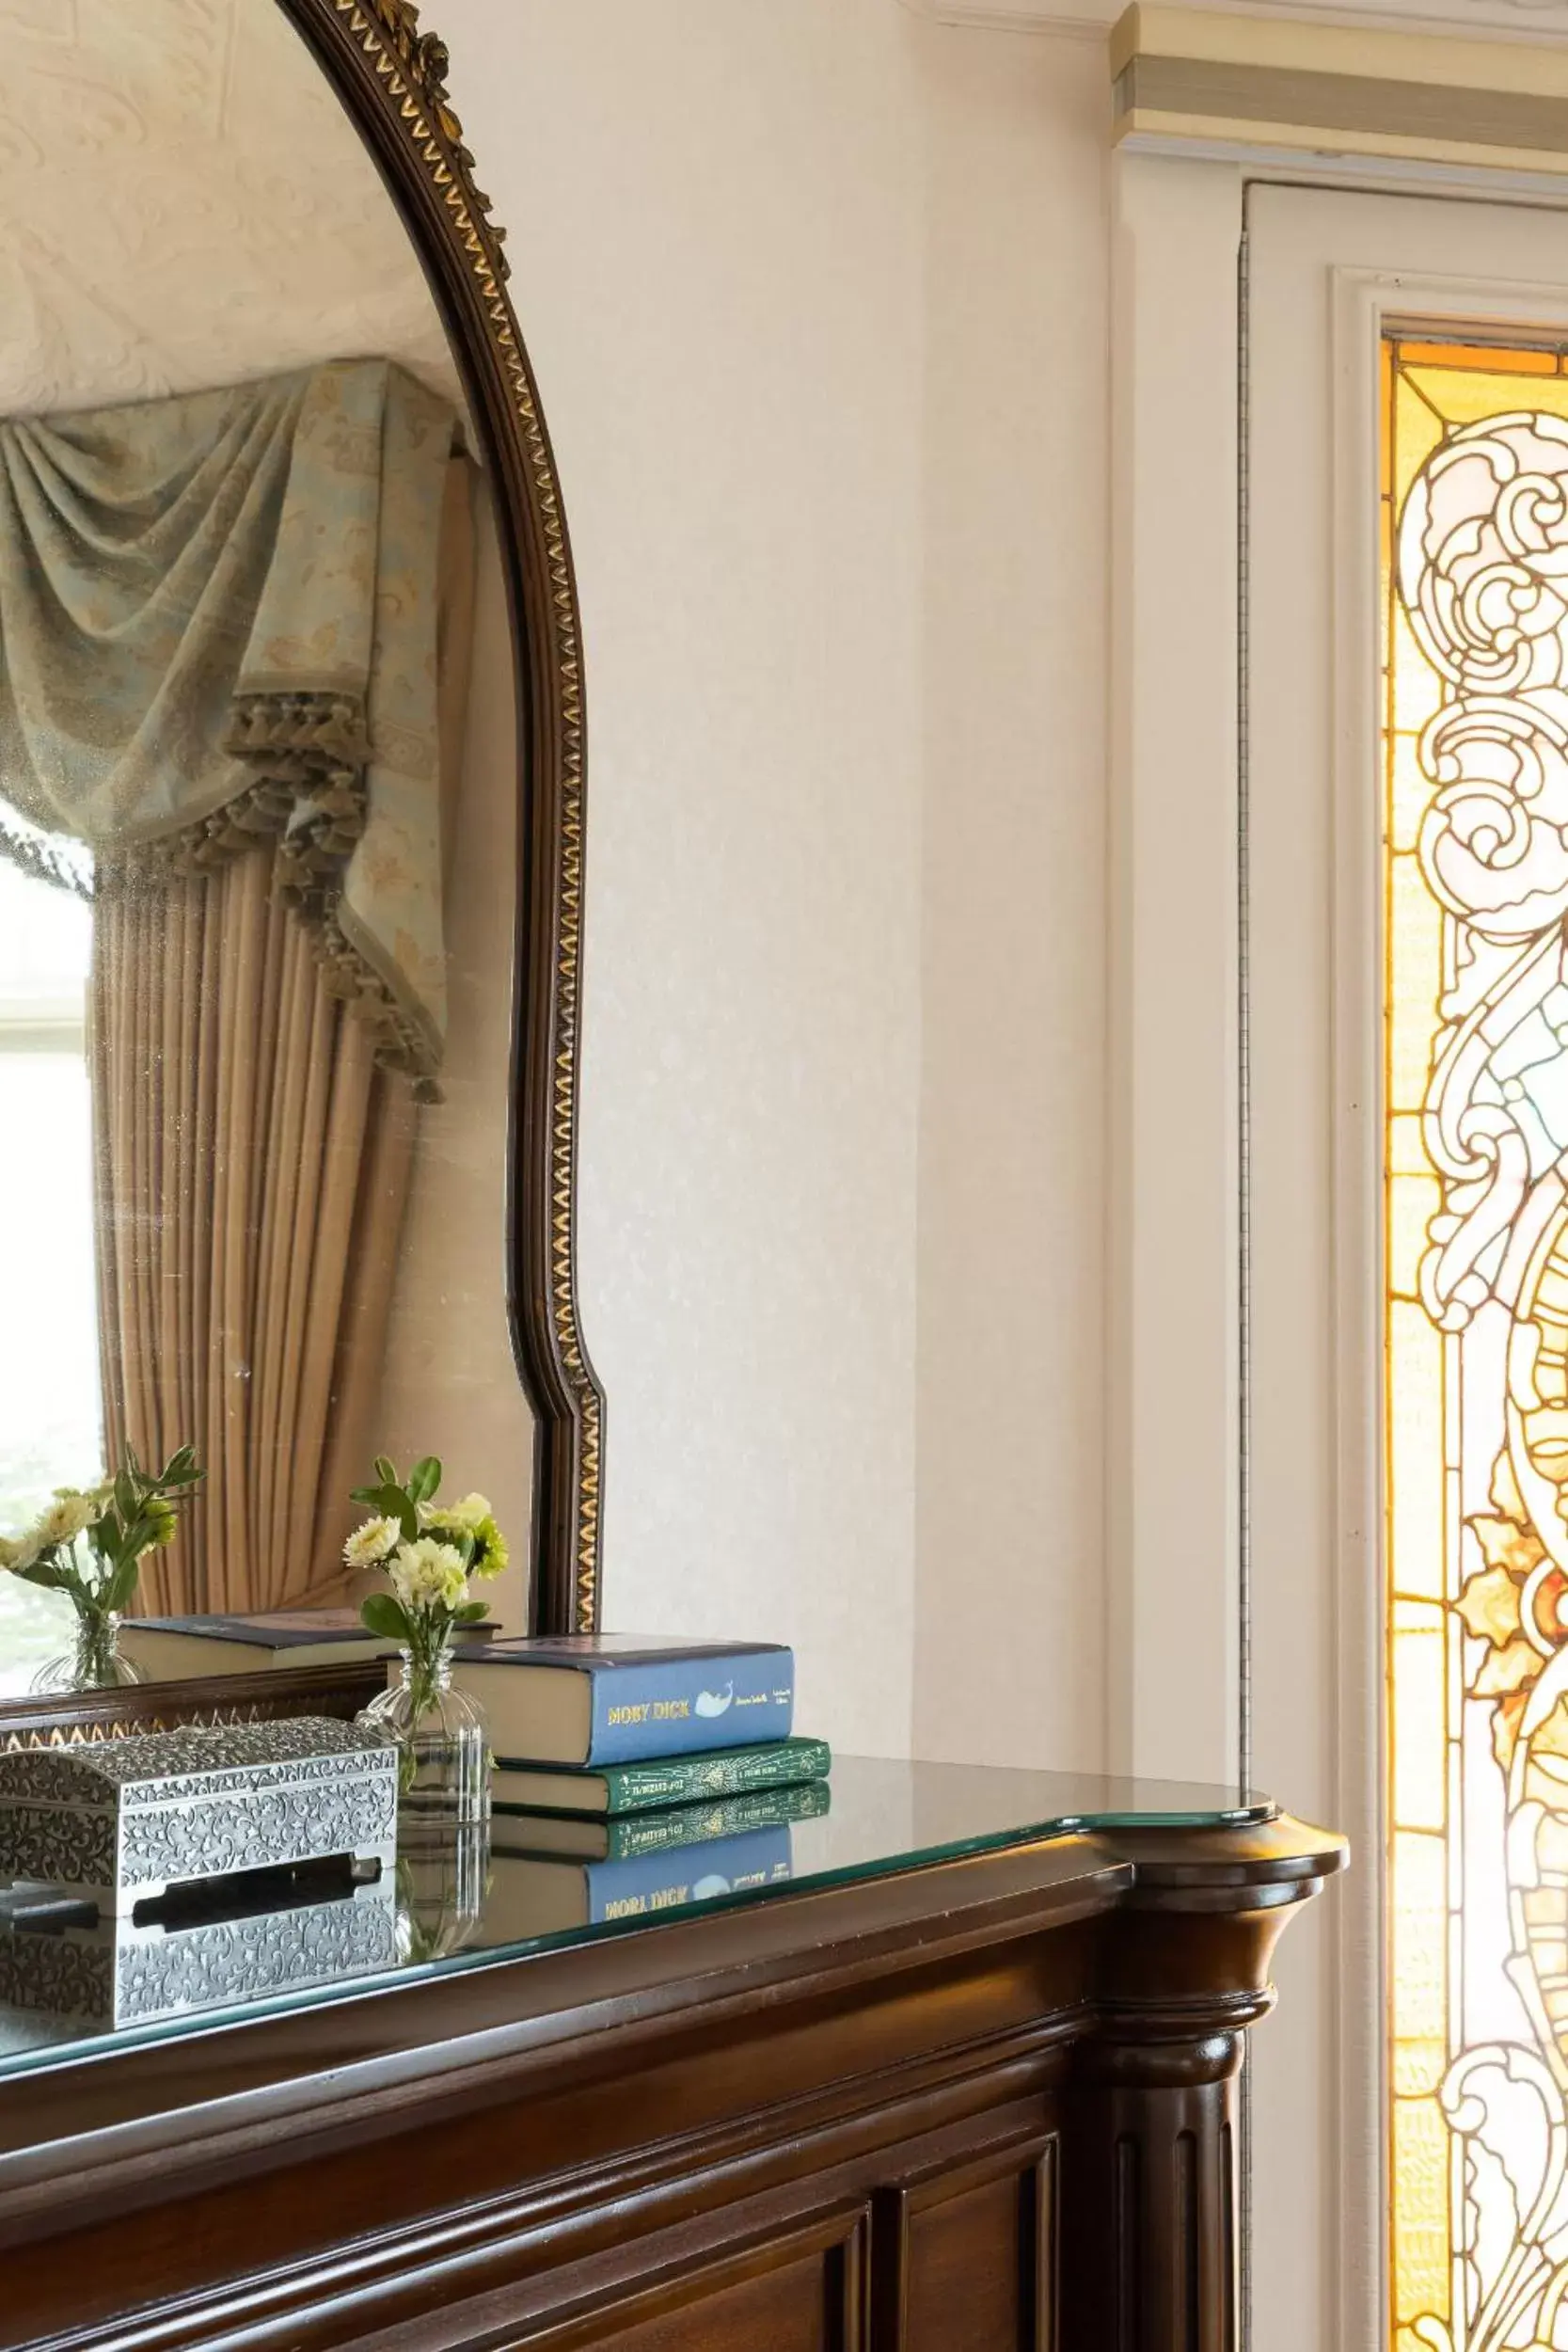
(252, 1172)
(236, 632)
(253, 1153)
(218, 614)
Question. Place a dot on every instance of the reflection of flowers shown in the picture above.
(1512, 1604)
(69, 1516)
(136, 1513)
(442, 1881)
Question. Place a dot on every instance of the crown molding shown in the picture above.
(1538, 21)
(1250, 82)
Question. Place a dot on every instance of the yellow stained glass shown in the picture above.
(1474, 533)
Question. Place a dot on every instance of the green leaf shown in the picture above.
(127, 1494)
(390, 1503)
(385, 1471)
(381, 1614)
(121, 1589)
(472, 1612)
(49, 1571)
(424, 1478)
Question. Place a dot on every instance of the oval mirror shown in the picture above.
(291, 819)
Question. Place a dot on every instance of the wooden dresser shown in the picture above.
(963, 2084)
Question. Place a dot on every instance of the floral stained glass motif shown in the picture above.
(1475, 875)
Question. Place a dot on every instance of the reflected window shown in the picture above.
(51, 1422)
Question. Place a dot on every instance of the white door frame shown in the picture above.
(1315, 1581)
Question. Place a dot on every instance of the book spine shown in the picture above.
(648, 1884)
(686, 1780)
(681, 1706)
(635, 1834)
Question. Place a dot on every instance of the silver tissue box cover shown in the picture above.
(121, 1820)
(119, 1974)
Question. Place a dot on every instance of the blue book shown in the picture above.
(593, 1699)
(533, 1896)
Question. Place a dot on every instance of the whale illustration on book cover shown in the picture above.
(583, 1699)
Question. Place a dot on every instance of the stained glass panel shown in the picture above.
(1475, 871)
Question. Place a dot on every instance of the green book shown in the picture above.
(616, 1837)
(610, 1789)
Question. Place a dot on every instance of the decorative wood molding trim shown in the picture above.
(1516, 20)
(1031, 2161)
(1173, 1249)
(1091, 22)
(393, 79)
(1202, 77)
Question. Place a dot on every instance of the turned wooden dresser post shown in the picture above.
(1151, 2236)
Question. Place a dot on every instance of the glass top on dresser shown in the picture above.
(77, 1984)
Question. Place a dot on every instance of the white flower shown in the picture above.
(427, 1572)
(372, 1543)
(64, 1520)
(467, 1516)
(11, 1553)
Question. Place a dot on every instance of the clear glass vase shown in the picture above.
(95, 1660)
(443, 1876)
(444, 1745)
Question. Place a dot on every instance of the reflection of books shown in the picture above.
(544, 1897)
(617, 1698)
(669, 1780)
(618, 1838)
(176, 1649)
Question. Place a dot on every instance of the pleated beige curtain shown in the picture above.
(253, 1158)
(252, 1172)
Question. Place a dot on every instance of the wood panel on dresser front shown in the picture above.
(980, 2106)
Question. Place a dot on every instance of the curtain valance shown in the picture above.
(218, 624)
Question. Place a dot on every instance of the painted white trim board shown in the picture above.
(1328, 268)
(1482, 19)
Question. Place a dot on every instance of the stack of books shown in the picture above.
(634, 1773)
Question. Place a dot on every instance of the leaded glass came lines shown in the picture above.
(1475, 900)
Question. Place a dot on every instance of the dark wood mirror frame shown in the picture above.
(391, 80)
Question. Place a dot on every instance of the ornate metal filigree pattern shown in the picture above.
(124, 1975)
(129, 1815)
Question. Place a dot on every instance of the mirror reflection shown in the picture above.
(257, 825)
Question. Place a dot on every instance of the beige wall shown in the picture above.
(449, 1386)
(1010, 1613)
(815, 294)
